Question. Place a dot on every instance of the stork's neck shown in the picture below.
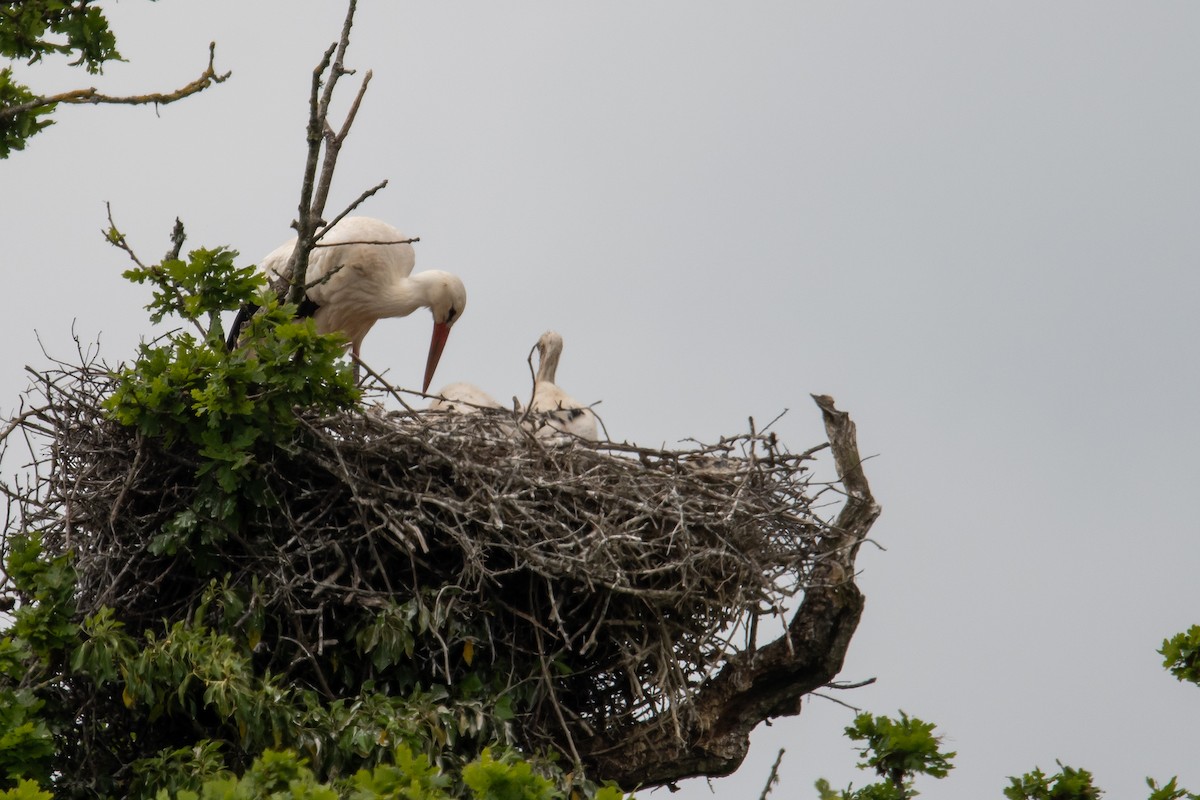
(548, 365)
(403, 297)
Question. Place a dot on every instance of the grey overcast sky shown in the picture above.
(975, 224)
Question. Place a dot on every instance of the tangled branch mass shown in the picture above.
(614, 581)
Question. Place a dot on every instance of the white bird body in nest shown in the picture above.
(562, 413)
(463, 398)
(361, 272)
(469, 399)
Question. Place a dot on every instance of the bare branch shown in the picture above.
(369, 241)
(357, 202)
(314, 192)
(842, 703)
(324, 146)
(94, 97)
(773, 778)
(383, 384)
(314, 139)
(118, 240)
(308, 221)
(178, 237)
(333, 147)
(21, 420)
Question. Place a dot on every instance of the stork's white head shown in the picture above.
(447, 298)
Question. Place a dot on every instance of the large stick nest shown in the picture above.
(617, 580)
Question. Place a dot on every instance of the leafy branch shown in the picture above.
(1181, 655)
(34, 29)
(900, 750)
(93, 96)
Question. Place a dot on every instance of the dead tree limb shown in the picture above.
(324, 146)
(770, 681)
(95, 97)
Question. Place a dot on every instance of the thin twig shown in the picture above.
(117, 239)
(773, 778)
(346, 212)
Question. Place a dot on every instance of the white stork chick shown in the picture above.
(469, 399)
(563, 414)
(463, 398)
(367, 266)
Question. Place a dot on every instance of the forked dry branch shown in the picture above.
(619, 586)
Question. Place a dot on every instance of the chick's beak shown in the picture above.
(441, 332)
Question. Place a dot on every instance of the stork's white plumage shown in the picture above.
(374, 281)
(562, 412)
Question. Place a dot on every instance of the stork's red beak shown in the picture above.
(441, 332)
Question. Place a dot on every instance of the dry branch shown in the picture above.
(324, 146)
(93, 96)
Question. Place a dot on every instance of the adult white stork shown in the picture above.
(361, 272)
(563, 413)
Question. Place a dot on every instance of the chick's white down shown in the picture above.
(563, 413)
(554, 412)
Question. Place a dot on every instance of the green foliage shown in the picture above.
(207, 283)
(43, 623)
(181, 770)
(902, 748)
(1181, 655)
(872, 791)
(284, 774)
(41, 628)
(228, 408)
(409, 777)
(505, 779)
(25, 790)
(1169, 792)
(17, 127)
(274, 774)
(898, 751)
(1067, 784)
(104, 647)
(26, 743)
(32, 29)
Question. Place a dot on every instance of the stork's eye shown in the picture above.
(451, 315)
